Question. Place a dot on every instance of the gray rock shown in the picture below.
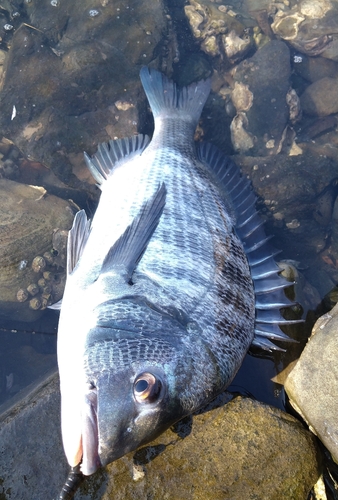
(312, 385)
(244, 449)
(259, 95)
(32, 462)
(316, 68)
(321, 97)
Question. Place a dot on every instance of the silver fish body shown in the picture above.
(161, 297)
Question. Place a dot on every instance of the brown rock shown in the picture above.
(313, 383)
(321, 97)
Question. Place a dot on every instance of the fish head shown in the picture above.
(126, 407)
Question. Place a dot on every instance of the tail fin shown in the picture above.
(167, 100)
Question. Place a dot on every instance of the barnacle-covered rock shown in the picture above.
(219, 30)
(310, 26)
(29, 217)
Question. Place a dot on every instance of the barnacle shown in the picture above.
(38, 264)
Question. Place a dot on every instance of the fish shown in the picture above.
(167, 287)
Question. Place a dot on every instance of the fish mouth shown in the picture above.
(90, 437)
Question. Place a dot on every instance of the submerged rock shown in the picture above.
(310, 26)
(312, 385)
(30, 280)
(260, 93)
(291, 188)
(219, 30)
(321, 97)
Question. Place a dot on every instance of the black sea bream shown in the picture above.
(167, 288)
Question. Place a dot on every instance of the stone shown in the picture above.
(261, 84)
(219, 30)
(29, 218)
(309, 26)
(312, 385)
(32, 462)
(321, 97)
(316, 68)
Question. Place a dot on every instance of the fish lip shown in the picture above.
(90, 437)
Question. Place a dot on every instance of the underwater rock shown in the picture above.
(261, 85)
(29, 217)
(321, 97)
(312, 385)
(310, 26)
(219, 30)
(232, 452)
(315, 68)
(72, 76)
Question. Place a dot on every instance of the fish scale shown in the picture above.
(166, 289)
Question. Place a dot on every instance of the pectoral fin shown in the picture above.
(127, 251)
(77, 239)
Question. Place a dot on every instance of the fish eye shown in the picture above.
(147, 388)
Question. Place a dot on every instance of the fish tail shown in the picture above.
(168, 101)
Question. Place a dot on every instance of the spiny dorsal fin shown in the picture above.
(109, 154)
(269, 295)
(127, 251)
(77, 239)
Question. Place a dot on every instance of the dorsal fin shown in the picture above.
(77, 239)
(111, 153)
(268, 284)
(127, 251)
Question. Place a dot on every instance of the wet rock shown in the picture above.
(29, 217)
(310, 26)
(316, 68)
(219, 30)
(233, 452)
(261, 84)
(95, 53)
(31, 456)
(312, 385)
(321, 97)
